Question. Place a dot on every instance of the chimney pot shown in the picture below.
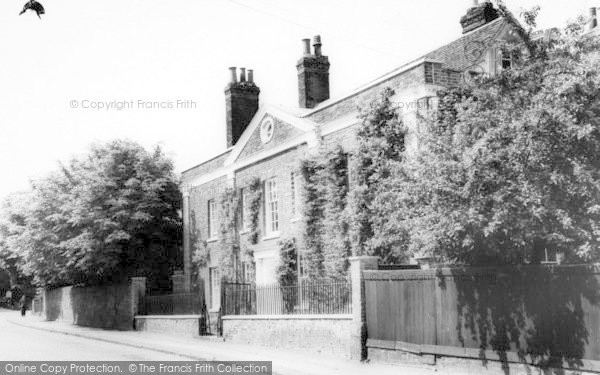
(317, 45)
(250, 75)
(241, 104)
(306, 43)
(480, 14)
(313, 75)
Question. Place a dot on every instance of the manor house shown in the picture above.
(266, 142)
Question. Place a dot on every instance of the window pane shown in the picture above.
(272, 215)
(212, 218)
(215, 286)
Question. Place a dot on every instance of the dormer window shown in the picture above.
(506, 60)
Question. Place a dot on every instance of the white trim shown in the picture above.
(308, 138)
(290, 317)
(265, 253)
(207, 160)
(377, 81)
(340, 124)
(272, 236)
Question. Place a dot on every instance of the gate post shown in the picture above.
(138, 291)
(359, 334)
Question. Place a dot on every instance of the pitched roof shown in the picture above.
(461, 54)
(457, 55)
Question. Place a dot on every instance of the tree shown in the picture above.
(104, 217)
(381, 143)
(510, 167)
(13, 213)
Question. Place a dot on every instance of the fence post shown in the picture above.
(44, 304)
(138, 291)
(359, 339)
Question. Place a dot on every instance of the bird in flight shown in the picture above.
(35, 6)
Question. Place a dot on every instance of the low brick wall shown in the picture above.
(174, 325)
(108, 306)
(326, 334)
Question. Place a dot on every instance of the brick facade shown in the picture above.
(281, 133)
(331, 122)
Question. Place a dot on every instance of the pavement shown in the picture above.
(97, 344)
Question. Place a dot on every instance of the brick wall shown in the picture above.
(107, 306)
(436, 74)
(181, 326)
(411, 78)
(331, 335)
(282, 132)
(206, 167)
(345, 137)
(279, 167)
(199, 198)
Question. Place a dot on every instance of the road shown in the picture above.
(26, 344)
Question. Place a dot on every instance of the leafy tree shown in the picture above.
(13, 213)
(381, 142)
(104, 217)
(510, 167)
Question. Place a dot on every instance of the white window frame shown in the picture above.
(212, 219)
(214, 276)
(271, 208)
(246, 267)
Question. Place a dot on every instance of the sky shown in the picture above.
(91, 72)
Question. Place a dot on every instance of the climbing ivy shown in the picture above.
(200, 251)
(229, 239)
(287, 272)
(325, 217)
(254, 203)
(381, 144)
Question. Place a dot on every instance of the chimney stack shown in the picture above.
(241, 104)
(313, 75)
(593, 19)
(478, 15)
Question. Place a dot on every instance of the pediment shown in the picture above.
(269, 129)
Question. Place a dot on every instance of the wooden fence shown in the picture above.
(543, 315)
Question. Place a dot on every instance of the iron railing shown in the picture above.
(308, 298)
(172, 304)
(394, 267)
